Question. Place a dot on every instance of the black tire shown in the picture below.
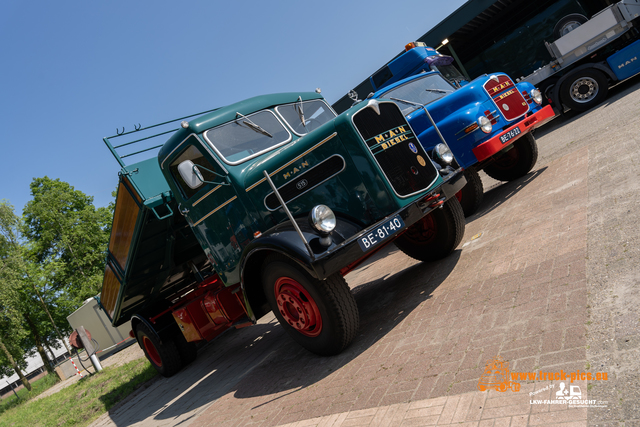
(471, 195)
(568, 24)
(546, 89)
(516, 162)
(584, 89)
(320, 315)
(162, 356)
(436, 235)
(188, 350)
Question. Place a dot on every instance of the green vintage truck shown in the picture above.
(265, 205)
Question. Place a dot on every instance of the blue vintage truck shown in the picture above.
(487, 122)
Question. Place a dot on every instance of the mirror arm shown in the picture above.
(196, 171)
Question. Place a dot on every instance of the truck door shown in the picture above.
(211, 206)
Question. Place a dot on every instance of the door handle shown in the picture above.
(183, 211)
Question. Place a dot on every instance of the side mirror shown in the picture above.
(190, 174)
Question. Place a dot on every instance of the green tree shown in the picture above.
(69, 235)
(11, 330)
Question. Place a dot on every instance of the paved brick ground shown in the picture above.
(545, 278)
(518, 291)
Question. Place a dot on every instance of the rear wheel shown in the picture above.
(471, 195)
(321, 315)
(164, 356)
(584, 89)
(568, 24)
(188, 350)
(436, 235)
(515, 163)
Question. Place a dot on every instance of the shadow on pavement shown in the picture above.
(502, 193)
(263, 360)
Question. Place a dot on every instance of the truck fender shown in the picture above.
(165, 326)
(600, 66)
(275, 241)
(135, 320)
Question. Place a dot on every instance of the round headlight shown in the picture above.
(537, 96)
(322, 219)
(443, 153)
(485, 124)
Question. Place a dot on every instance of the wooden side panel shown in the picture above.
(110, 290)
(124, 224)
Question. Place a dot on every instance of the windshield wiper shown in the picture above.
(407, 102)
(438, 90)
(254, 127)
(300, 111)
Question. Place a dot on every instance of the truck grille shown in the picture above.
(396, 149)
(506, 96)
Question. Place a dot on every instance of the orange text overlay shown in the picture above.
(559, 376)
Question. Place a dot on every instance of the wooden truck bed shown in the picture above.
(152, 252)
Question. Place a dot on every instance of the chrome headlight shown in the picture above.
(322, 219)
(485, 124)
(537, 96)
(443, 153)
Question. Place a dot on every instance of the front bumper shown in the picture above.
(494, 145)
(348, 254)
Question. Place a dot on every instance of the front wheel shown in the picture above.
(515, 163)
(436, 235)
(320, 315)
(163, 355)
(471, 195)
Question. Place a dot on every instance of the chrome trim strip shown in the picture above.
(215, 210)
(254, 155)
(206, 195)
(297, 158)
(344, 166)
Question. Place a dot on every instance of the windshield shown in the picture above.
(450, 73)
(247, 136)
(418, 92)
(303, 117)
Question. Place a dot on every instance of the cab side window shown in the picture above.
(193, 153)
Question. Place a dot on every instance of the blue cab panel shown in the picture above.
(624, 63)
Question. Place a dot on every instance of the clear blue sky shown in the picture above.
(72, 72)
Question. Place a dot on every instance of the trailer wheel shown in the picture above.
(320, 315)
(471, 195)
(516, 162)
(436, 235)
(164, 356)
(584, 89)
(567, 24)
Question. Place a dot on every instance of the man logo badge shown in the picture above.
(301, 184)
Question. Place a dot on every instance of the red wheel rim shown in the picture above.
(423, 231)
(152, 352)
(459, 196)
(297, 307)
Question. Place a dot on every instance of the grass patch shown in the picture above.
(82, 402)
(37, 387)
